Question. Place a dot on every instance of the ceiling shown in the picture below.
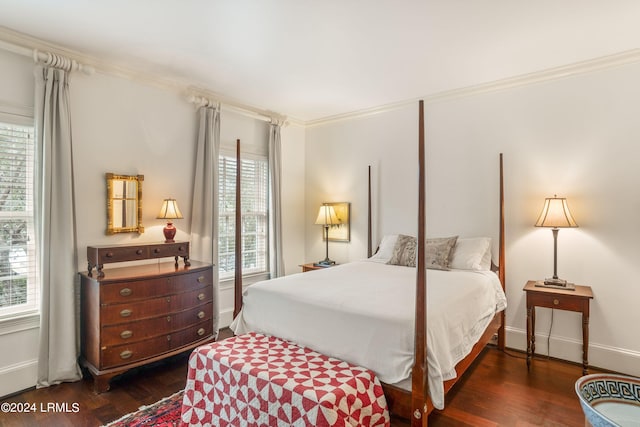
(316, 59)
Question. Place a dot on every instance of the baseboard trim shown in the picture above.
(602, 356)
(17, 377)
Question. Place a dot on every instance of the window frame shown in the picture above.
(17, 314)
(229, 216)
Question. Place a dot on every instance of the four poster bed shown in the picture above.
(357, 312)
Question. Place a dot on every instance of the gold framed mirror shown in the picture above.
(124, 203)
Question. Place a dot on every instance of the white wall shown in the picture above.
(575, 136)
(129, 127)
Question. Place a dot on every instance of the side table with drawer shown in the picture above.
(576, 300)
(132, 316)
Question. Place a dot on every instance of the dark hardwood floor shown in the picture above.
(497, 391)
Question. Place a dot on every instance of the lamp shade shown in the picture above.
(555, 214)
(327, 216)
(170, 210)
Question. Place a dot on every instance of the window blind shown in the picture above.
(254, 191)
(18, 284)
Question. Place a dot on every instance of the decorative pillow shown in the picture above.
(385, 250)
(438, 252)
(472, 254)
(404, 251)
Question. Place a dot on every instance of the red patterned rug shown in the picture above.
(164, 413)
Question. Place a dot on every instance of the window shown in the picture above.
(254, 190)
(18, 289)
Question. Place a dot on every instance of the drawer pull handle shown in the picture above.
(201, 331)
(168, 337)
(139, 252)
(168, 318)
(156, 251)
(200, 296)
(126, 334)
(109, 254)
(180, 249)
(125, 292)
(556, 301)
(201, 315)
(168, 299)
(200, 279)
(125, 313)
(126, 354)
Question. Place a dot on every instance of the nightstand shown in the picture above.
(311, 266)
(572, 300)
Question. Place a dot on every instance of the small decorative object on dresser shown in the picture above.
(135, 315)
(577, 300)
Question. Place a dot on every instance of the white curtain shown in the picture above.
(275, 219)
(55, 226)
(204, 208)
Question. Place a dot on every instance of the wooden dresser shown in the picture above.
(132, 316)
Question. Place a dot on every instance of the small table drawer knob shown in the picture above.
(556, 301)
(201, 315)
(126, 354)
(201, 332)
(126, 312)
(200, 279)
(200, 296)
(126, 334)
(125, 292)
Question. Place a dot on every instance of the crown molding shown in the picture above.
(550, 74)
(24, 44)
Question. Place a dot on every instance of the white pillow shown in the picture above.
(385, 250)
(472, 254)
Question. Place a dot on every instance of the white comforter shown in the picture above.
(363, 313)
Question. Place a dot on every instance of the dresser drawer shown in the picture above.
(143, 329)
(165, 250)
(127, 353)
(154, 307)
(144, 289)
(131, 352)
(129, 253)
(559, 301)
(192, 334)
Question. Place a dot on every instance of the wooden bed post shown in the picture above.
(419, 392)
(369, 245)
(501, 258)
(238, 236)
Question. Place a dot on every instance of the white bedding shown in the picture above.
(363, 312)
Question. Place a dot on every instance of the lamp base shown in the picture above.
(324, 263)
(557, 284)
(169, 232)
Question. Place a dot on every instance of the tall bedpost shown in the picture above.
(419, 390)
(369, 243)
(501, 258)
(238, 236)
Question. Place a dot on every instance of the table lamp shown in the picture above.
(555, 215)
(169, 210)
(326, 217)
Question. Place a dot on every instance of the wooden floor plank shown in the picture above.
(497, 391)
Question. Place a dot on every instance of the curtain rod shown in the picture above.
(48, 58)
(205, 100)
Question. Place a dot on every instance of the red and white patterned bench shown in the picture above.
(253, 379)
